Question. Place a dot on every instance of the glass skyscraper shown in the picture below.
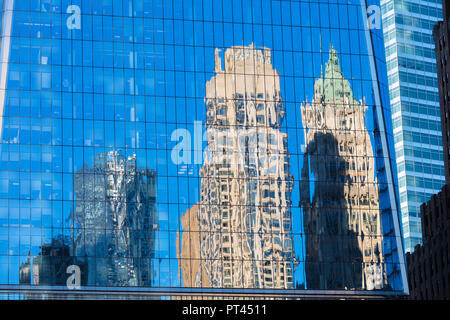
(195, 147)
(412, 77)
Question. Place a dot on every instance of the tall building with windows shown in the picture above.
(441, 34)
(345, 200)
(429, 264)
(413, 90)
(152, 148)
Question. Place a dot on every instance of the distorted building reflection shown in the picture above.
(115, 219)
(49, 267)
(339, 192)
(243, 217)
(192, 267)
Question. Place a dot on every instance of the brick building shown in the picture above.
(429, 265)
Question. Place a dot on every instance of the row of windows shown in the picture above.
(415, 36)
(36, 236)
(77, 52)
(412, 226)
(428, 275)
(410, 211)
(411, 78)
(173, 193)
(405, 20)
(414, 93)
(26, 163)
(408, 49)
(82, 51)
(238, 11)
(161, 58)
(169, 57)
(123, 29)
(400, 34)
(414, 210)
(141, 82)
(411, 64)
(411, 242)
(165, 247)
(419, 109)
(418, 197)
(151, 109)
(117, 134)
(172, 189)
(168, 148)
(58, 215)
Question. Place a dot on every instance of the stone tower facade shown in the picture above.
(342, 217)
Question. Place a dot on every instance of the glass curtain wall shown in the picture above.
(414, 96)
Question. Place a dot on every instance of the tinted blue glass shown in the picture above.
(204, 144)
(421, 141)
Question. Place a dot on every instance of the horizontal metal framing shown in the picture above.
(225, 292)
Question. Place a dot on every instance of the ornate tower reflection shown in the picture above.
(342, 218)
(244, 218)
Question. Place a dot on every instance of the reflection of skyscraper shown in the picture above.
(244, 217)
(81, 78)
(115, 219)
(50, 266)
(342, 219)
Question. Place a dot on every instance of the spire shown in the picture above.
(335, 86)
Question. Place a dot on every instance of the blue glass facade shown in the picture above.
(414, 94)
(219, 145)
